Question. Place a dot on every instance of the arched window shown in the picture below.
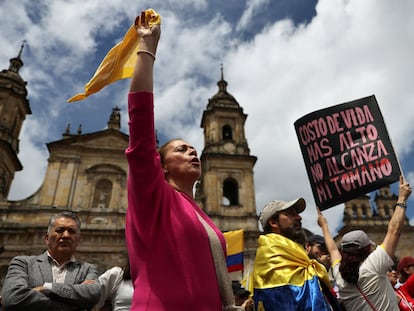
(230, 192)
(102, 195)
(364, 212)
(354, 212)
(227, 132)
(387, 211)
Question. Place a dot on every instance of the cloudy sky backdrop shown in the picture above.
(282, 59)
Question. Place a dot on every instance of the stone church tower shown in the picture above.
(14, 106)
(226, 189)
(87, 174)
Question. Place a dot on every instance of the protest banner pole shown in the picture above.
(398, 162)
(399, 165)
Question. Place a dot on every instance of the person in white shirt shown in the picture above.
(116, 288)
(359, 271)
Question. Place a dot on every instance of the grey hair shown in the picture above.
(65, 214)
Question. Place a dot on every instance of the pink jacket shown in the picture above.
(171, 263)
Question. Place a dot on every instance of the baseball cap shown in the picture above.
(405, 262)
(355, 240)
(276, 206)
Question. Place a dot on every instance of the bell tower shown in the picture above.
(14, 106)
(226, 189)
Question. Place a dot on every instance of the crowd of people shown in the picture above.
(176, 254)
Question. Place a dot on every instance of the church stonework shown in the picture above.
(359, 213)
(226, 190)
(87, 174)
(14, 106)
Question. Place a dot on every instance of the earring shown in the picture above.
(165, 171)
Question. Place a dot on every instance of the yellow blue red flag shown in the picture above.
(235, 248)
(120, 61)
(284, 278)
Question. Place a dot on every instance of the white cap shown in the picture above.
(276, 206)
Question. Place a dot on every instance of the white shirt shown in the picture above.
(122, 298)
(117, 290)
(58, 271)
(373, 282)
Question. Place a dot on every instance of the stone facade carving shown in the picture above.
(87, 173)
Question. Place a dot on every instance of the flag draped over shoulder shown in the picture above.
(284, 278)
(235, 248)
(120, 61)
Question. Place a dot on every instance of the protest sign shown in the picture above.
(347, 151)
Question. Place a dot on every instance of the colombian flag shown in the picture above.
(120, 61)
(235, 247)
(284, 278)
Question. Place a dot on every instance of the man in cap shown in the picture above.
(359, 272)
(405, 289)
(284, 277)
(405, 268)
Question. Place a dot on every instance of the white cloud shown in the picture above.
(33, 155)
(252, 8)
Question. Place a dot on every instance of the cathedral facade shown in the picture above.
(87, 174)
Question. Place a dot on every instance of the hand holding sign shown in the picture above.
(347, 151)
(404, 192)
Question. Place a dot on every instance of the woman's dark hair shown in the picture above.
(126, 271)
(163, 149)
(350, 262)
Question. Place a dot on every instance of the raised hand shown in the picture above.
(321, 219)
(404, 190)
(148, 33)
(148, 29)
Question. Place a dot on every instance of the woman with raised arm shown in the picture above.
(177, 254)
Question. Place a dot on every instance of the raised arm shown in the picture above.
(396, 223)
(142, 79)
(334, 253)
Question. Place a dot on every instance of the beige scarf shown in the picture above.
(226, 292)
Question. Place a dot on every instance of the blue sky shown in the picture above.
(282, 60)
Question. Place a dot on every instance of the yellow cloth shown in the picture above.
(120, 61)
(281, 261)
(247, 282)
(234, 241)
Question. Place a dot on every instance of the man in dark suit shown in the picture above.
(53, 280)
